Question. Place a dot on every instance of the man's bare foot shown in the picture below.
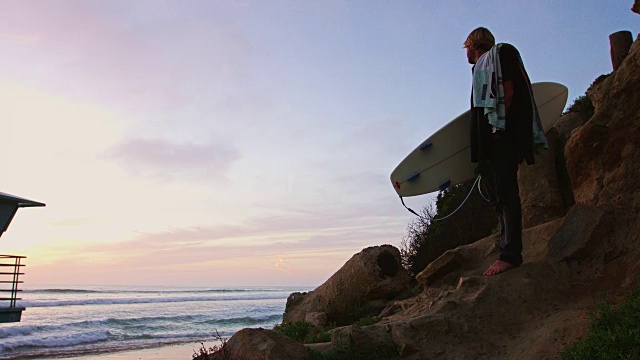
(498, 267)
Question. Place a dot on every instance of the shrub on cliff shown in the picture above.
(583, 105)
(614, 332)
(427, 238)
(305, 333)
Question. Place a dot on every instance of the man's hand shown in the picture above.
(482, 169)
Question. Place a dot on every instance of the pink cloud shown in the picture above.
(163, 159)
(146, 56)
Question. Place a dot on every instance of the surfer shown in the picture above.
(504, 127)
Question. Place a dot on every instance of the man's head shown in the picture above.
(478, 42)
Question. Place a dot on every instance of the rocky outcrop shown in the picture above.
(602, 156)
(603, 162)
(545, 188)
(464, 315)
(540, 193)
(636, 7)
(261, 344)
(375, 273)
(582, 230)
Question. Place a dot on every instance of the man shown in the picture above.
(504, 127)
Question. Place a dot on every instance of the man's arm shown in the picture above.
(508, 94)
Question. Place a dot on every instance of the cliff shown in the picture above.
(580, 206)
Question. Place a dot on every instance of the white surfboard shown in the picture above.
(444, 158)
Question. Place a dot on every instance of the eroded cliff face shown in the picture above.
(539, 308)
(369, 279)
(603, 161)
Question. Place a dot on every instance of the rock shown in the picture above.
(545, 187)
(262, 344)
(440, 267)
(404, 337)
(563, 128)
(434, 324)
(323, 348)
(581, 232)
(390, 309)
(317, 319)
(636, 7)
(373, 340)
(540, 193)
(602, 155)
(620, 42)
(470, 282)
(595, 93)
(375, 273)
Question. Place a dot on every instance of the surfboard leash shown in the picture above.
(477, 181)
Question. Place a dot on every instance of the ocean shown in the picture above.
(75, 321)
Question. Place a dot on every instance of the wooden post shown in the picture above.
(620, 44)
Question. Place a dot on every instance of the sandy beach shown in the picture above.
(172, 352)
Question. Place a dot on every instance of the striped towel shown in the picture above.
(488, 90)
(488, 93)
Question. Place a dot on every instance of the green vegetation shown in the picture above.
(583, 105)
(305, 333)
(366, 321)
(205, 353)
(359, 313)
(416, 289)
(344, 351)
(427, 239)
(614, 332)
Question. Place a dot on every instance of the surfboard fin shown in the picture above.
(413, 177)
(425, 145)
(444, 185)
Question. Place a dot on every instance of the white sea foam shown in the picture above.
(141, 300)
(70, 321)
(20, 330)
(54, 341)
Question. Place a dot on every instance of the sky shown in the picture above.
(243, 143)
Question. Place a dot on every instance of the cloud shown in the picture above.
(167, 160)
(71, 222)
(280, 266)
(150, 56)
(268, 250)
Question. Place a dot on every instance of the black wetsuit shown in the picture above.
(498, 154)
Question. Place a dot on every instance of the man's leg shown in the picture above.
(488, 182)
(511, 245)
(508, 198)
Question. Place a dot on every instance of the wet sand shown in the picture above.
(171, 352)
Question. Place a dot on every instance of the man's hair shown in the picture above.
(480, 39)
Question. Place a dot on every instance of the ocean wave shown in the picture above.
(53, 341)
(158, 291)
(21, 330)
(140, 323)
(245, 320)
(143, 300)
(109, 334)
(62, 291)
(93, 349)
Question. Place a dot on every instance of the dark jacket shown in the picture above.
(518, 134)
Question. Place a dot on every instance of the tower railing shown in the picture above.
(10, 271)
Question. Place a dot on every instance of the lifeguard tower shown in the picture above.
(11, 265)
